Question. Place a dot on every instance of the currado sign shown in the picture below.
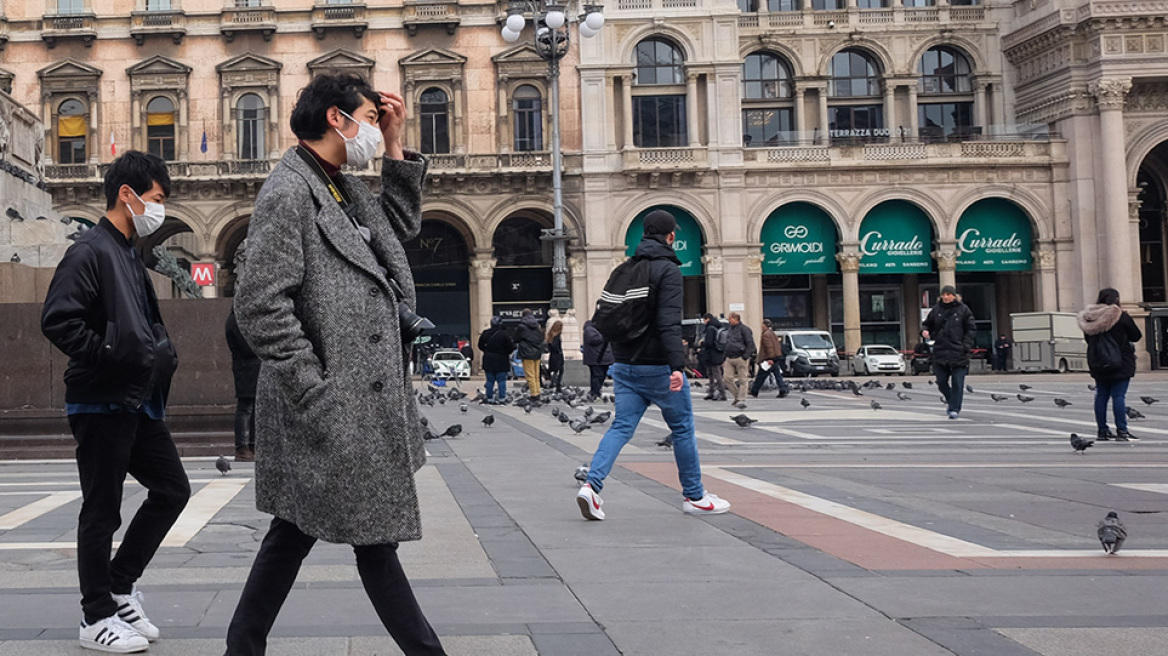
(896, 237)
(993, 235)
(687, 244)
(798, 238)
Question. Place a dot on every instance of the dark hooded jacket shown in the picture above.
(595, 351)
(496, 346)
(710, 353)
(529, 338)
(952, 329)
(662, 342)
(1098, 319)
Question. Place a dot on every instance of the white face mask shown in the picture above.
(361, 148)
(150, 219)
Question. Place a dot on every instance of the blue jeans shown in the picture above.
(1115, 391)
(636, 386)
(496, 378)
(951, 382)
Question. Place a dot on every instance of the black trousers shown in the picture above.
(762, 374)
(597, 373)
(274, 571)
(244, 423)
(109, 446)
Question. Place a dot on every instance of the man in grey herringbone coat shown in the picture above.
(338, 438)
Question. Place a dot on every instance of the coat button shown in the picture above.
(375, 338)
(377, 387)
(373, 291)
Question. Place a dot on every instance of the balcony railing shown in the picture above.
(665, 158)
(1014, 147)
(69, 26)
(248, 19)
(752, 24)
(342, 16)
(440, 12)
(170, 23)
(189, 170)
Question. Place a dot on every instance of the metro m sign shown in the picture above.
(203, 273)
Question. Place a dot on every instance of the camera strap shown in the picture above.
(336, 190)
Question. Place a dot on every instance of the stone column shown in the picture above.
(1045, 279)
(914, 121)
(483, 270)
(980, 106)
(182, 129)
(228, 128)
(502, 116)
(889, 105)
(715, 298)
(1115, 234)
(946, 257)
(849, 261)
(627, 109)
(753, 295)
(574, 318)
(275, 149)
(824, 125)
(458, 134)
(691, 109)
(799, 119)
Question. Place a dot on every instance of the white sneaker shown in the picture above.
(112, 635)
(709, 504)
(130, 611)
(590, 503)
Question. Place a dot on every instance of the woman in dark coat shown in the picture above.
(496, 346)
(555, 354)
(1105, 316)
(597, 357)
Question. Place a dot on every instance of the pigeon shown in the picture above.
(890, 386)
(222, 465)
(488, 420)
(1111, 533)
(1062, 403)
(743, 421)
(453, 431)
(1091, 386)
(424, 421)
(906, 385)
(998, 398)
(1079, 444)
(857, 392)
(462, 407)
(805, 403)
(969, 388)
(581, 474)
(1023, 387)
(555, 411)
(1132, 413)
(740, 405)
(578, 425)
(903, 397)
(697, 385)
(563, 417)
(666, 442)
(15, 258)
(1149, 400)
(588, 412)
(875, 405)
(528, 408)
(1025, 399)
(601, 418)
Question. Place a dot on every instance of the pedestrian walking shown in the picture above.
(712, 358)
(327, 304)
(739, 351)
(1002, 348)
(951, 327)
(597, 356)
(647, 371)
(770, 357)
(1111, 359)
(101, 311)
(529, 340)
(555, 349)
(467, 352)
(245, 369)
(496, 346)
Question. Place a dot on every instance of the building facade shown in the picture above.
(831, 163)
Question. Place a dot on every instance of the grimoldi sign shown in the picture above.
(896, 237)
(993, 235)
(798, 238)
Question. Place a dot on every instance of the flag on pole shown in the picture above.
(203, 147)
(113, 144)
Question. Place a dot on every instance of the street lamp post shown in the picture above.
(552, 38)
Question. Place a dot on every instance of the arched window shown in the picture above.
(767, 110)
(945, 100)
(251, 124)
(527, 105)
(659, 119)
(72, 128)
(435, 119)
(160, 122)
(856, 110)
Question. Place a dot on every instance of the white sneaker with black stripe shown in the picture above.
(112, 635)
(130, 611)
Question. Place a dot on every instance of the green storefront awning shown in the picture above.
(896, 237)
(798, 238)
(994, 235)
(687, 244)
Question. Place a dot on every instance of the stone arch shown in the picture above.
(764, 208)
(696, 208)
(962, 45)
(90, 213)
(923, 201)
(455, 212)
(226, 215)
(457, 222)
(535, 205)
(1041, 219)
(678, 37)
(879, 53)
(775, 47)
(1140, 146)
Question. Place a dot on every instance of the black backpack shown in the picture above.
(1103, 354)
(625, 310)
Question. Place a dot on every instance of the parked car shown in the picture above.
(879, 359)
(449, 363)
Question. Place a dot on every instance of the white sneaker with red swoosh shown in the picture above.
(709, 504)
(589, 502)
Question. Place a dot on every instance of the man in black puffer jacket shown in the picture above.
(950, 325)
(649, 371)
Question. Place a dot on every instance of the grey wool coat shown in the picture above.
(338, 438)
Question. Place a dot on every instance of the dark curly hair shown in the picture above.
(344, 91)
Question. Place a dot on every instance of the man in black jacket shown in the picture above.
(530, 343)
(739, 350)
(951, 327)
(101, 311)
(712, 358)
(649, 371)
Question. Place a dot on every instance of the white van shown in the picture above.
(808, 352)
